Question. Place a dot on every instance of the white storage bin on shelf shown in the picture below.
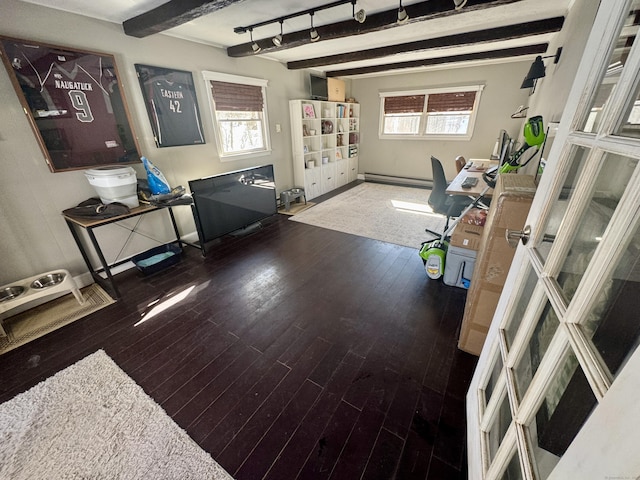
(115, 184)
(325, 141)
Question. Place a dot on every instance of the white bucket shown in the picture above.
(115, 184)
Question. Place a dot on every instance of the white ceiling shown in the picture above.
(217, 28)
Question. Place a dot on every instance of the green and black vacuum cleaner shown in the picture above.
(433, 255)
(534, 137)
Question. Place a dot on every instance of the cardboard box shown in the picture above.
(509, 209)
(467, 236)
(335, 89)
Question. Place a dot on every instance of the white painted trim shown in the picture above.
(227, 77)
(259, 82)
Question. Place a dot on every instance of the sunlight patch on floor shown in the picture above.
(165, 304)
(415, 208)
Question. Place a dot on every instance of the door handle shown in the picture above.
(513, 236)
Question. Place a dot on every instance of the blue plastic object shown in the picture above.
(157, 182)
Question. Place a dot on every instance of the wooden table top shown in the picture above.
(478, 168)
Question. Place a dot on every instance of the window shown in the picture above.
(442, 113)
(239, 109)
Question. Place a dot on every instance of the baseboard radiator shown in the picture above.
(406, 181)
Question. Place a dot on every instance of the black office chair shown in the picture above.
(440, 201)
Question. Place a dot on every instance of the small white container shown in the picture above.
(311, 164)
(115, 184)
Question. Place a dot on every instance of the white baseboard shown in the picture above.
(411, 182)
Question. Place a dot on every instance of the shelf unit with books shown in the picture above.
(325, 138)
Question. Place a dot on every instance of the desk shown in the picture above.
(455, 187)
(89, 224)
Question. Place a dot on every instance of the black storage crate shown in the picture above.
(175, 251)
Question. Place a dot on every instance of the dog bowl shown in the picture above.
(10, 293)
(48, 280)
(296, 190)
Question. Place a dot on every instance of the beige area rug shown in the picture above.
(389, 213)
(38, 321)
(296, 208)
(91, 421)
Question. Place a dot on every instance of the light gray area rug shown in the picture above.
(389, 213)
(91, 420)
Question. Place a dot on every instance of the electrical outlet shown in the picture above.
(278, 128)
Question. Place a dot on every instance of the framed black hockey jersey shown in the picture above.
(172, 107)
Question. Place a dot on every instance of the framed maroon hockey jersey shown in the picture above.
(74, 104)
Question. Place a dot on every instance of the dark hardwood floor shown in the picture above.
(293, 352)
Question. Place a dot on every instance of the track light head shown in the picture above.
(254, 46)
(360, 16)
(403, 16)
(458, 4)
(313, 33)
(277, 40)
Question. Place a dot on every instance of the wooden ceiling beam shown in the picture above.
(511, 32)
(171, 14)
(536, 49)
(418, 12)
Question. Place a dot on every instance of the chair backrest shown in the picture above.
(460, 163)
(438, 192)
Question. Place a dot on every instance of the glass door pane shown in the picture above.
(521, 306)
(608, 189)
(492, 381)
(499, 427)
(613, 323)
(630, 126)
(513, 471)
(567, 402)
(528, 364)
(575, 167)
(616, 63)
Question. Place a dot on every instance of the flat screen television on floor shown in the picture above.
(232, 201)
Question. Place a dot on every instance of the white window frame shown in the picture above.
(422, 135)
(225, 77)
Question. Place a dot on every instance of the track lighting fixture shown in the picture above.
(277, 40)
(313, 33)
(402, 14)
(458, 4)
(360, 16)
(254, 46)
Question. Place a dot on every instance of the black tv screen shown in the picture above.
(319, 88)
(232, 201)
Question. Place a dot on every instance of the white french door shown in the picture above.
(551, 390)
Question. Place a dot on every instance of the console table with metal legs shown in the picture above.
(90, 224)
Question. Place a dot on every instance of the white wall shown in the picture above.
(34, 236)
(552, 91)
(410, 158)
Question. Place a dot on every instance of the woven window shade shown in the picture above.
(236, 97)
(451, 102)
(404, 104)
